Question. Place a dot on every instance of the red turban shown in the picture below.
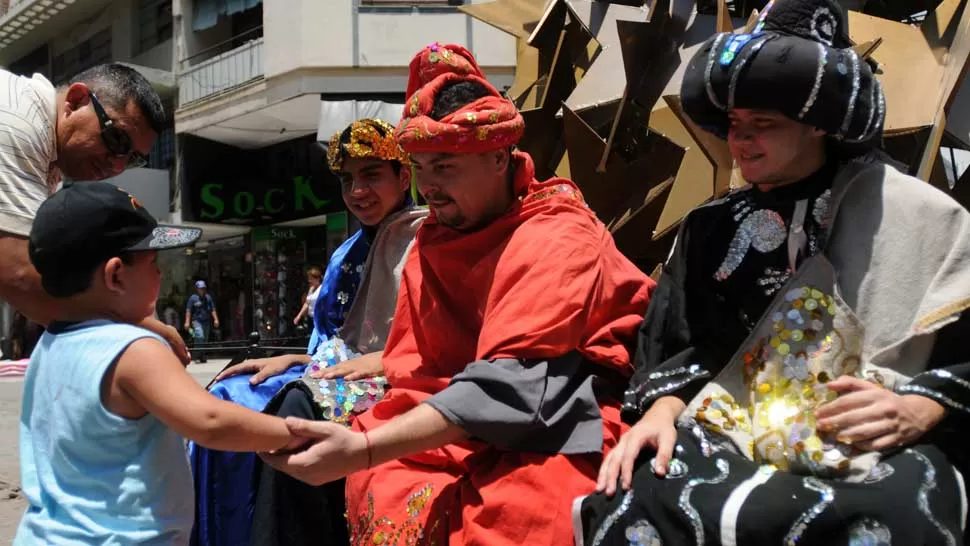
(485, 124)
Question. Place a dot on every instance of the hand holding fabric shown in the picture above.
(654, 430)
(369, 365)
(873, 418)
(333, 451)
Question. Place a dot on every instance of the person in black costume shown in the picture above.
(802, 375)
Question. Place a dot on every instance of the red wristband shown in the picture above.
(370, 450)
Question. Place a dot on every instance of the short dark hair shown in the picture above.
(72, 279)
(455, 95)
(116, 85)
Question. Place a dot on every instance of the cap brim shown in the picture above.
(167, 237)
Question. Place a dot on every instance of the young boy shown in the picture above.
(106, 404)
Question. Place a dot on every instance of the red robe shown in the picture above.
(543, 280)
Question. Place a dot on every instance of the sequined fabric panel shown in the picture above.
(340, 400)
(784, 377)
(370, 530)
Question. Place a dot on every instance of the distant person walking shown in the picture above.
(314, 279)
(200, 317)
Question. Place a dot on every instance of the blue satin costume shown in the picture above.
(224, 480)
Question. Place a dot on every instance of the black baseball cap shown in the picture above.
(87, 223)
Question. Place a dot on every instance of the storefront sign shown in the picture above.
(218, 202)
(287, 181)
(276, 233)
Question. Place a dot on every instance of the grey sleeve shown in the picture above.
(545, 406)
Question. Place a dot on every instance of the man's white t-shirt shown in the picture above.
(28, 117)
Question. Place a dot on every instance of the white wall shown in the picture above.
(159, 57)
(320, 34)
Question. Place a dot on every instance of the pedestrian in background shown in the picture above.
(200, 317)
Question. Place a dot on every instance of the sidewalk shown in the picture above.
(13, 370)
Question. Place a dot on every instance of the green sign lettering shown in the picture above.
(244, 203)
(303, 191)
(212, 200)
(268, 201)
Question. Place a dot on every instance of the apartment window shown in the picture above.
(35, 62)
(95, 50)
(154, 23)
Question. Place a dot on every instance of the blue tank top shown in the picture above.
(90, 476)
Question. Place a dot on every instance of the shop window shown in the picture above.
(154, 23)
(93, 51)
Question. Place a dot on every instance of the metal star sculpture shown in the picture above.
(598, 83)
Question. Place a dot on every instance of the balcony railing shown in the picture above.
(221, 73)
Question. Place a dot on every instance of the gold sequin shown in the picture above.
(369, 138)
(367, 529)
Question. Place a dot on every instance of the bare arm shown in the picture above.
(303, 311)
(421, 429)
(337, 451)
(184, 406)
(20, 282)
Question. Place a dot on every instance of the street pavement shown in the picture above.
(11, 390)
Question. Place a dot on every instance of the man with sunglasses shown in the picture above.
(103, 121)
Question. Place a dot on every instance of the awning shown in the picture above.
(337, 115)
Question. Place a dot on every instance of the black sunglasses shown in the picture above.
(116, 140)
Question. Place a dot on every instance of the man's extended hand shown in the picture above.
(334, 452)
(171, 336)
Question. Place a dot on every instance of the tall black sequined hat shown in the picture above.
(797, 60)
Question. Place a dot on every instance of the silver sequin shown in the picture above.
(945, 374)
(879, 473)
(684, 500)
(611, 519)
(707, 449)
(854, 95)
(877, 110)
(711, 95)
(935, 395)
(820, 209)
(675, 469)
(869, 532)
(693, 369)
(823, 25)
(641, 533)
(669, 387)
(813, 95)
(762, 229)
(827, 495)
(923, 497)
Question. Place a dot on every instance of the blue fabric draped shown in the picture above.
(224, 486)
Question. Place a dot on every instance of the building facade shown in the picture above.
(260, 84)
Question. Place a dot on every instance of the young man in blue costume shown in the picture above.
(375, 180)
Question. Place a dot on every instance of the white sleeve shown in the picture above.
(26, 150)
